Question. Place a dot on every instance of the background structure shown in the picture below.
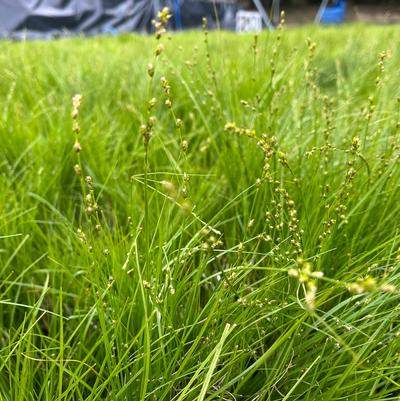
(52, 18)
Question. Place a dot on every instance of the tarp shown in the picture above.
(52, 18)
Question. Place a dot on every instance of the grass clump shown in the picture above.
(221, 223)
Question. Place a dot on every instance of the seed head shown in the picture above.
(146, 285)
(150, 70)
(160, 24)
(159, 49)
(77, 147)
(169, 187)
(76, 104)
(164, 82)
(152, 102)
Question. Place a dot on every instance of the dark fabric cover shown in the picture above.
(218, 14)
(52, 18)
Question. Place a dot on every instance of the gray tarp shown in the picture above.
(50, 18)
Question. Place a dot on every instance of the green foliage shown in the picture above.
(217, 220)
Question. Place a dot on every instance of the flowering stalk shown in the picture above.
(147, 129)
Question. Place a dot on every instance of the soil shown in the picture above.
(369, 13)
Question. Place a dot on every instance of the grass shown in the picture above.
(249, 251)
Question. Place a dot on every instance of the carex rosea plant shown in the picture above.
(216, 219)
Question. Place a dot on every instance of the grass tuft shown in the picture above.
(216, 220)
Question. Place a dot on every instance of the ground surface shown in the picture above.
(361, 13)
(222, 224)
